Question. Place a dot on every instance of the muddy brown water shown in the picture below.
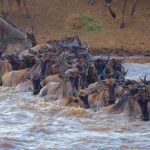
(27, 122)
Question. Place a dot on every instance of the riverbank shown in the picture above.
(49, 19)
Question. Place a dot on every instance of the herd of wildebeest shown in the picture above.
(65, 71)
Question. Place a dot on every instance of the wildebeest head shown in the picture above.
(83, 97)
(142, 96)
(39, 71)
(110, 85)
(72, 42)
(31, 36)
(35, 78)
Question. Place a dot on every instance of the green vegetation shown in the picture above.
(84, 23)
(90, 23)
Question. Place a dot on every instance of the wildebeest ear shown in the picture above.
(76, 35)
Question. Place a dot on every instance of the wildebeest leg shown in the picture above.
(0, 81)
(10, 2)
(36, 86)
(108, 4)
(91, 2)
(74, 85)
(123, 11)
(84, 99)
(133, 8)
(2, 9)
(26, 8)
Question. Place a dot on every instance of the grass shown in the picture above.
(84, 23)
(90, 23)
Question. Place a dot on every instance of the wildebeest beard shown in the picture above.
(36, 81)
(84, 99)
(144, 109)
(111, 93)
(74, 84)
(43, 68)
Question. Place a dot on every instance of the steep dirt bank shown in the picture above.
(49, 20)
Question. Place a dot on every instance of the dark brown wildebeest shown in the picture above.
(5, 67)
(91, 2)
(135, 100)
(13, 78)
(108, 4)
(115, 69)
(104, 96)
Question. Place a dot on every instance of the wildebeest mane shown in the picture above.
(119, 106)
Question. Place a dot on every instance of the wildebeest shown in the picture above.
(73, 43)
(91, 2)
(5, 67)
(134, 100)
(56, 90)
(13, 78)
(108, 4)
(134, 107)
(12, 35)
(106, 94)
(115, 69)
(18, 63)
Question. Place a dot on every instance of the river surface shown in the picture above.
(29, 123)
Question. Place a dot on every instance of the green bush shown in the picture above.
(90, 23)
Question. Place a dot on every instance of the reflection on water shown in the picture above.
(29, 123)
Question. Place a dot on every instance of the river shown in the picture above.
(27, 122)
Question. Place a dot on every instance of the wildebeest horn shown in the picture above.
(30, 30)
(144, 80)
(108, 58)
(75, 34)
(123, 70)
